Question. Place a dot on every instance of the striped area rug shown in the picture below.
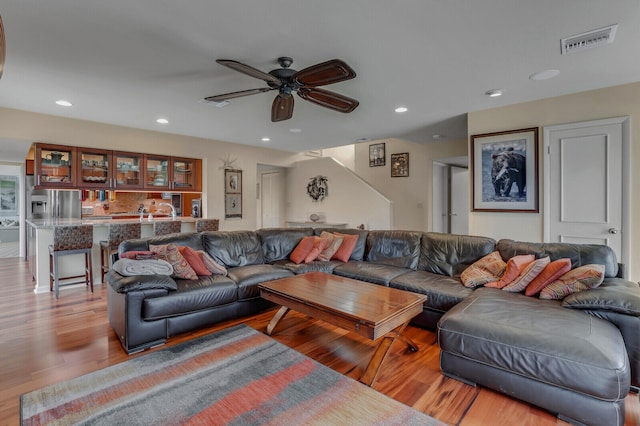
(234, 376)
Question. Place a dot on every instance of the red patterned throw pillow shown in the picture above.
(331, 248)
(528, 274)
(486, 270)
(194, 260)
(515, 266)
(170, 253)
(211, 264)
(318, 246)
(579, 279)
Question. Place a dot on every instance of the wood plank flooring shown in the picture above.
(44, 341)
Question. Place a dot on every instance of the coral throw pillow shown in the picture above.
(194, 260)
(332, 244)
(349, 242)
(211, 264)
(515, 266)
(318, 246)
(530, 272)
(486, 270)
(579, 279)
(301, 251)
(551, 272)
(171, 254)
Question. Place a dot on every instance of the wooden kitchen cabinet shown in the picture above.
(54, 166)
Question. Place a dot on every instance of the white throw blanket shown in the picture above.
(130, 267)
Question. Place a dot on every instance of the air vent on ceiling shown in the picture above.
(588, 40)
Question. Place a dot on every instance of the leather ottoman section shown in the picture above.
(370, 272)
(443, 292)
(315, 266)
(191, 296)
(247, 278)
(539, 340)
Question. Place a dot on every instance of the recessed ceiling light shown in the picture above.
(494, 93)
(265, 139)
(64, 103)
(437, 137)
(402, 109)
(294, 130)
(544, 75)
(162, 121)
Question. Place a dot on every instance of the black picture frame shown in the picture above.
(400, 164)
(377, 155)
(505, 171)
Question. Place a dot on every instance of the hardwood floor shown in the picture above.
(44, 341)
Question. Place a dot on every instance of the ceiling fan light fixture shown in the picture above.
(493, 93)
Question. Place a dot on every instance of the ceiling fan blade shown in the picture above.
(227, 96)
(3, 47)
(250, 71)
(325, 73)
(282, 108)
(328, 99)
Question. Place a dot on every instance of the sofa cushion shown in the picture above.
(539, 340)
(370, 272)
(248, 277)
(278, 243)
(443, 292)
(361, 245)
(347, 246)
(234, 248)
(331, 246)
(579, 279)
(191, 296)
(394, 248)
(318, 246)
(614, 294)
(449, 254)
(580, 254)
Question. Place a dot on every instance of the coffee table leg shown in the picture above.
(276, 319)
(371, 373)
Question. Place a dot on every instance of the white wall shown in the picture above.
(32, 127)
(610, 102)
(350, 200)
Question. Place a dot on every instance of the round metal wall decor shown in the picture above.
(317, 188)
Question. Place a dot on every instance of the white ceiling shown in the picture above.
(130, 62)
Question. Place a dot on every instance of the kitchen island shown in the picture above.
(40, 237)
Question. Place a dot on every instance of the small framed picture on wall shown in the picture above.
(400, 165)
(377, 155)
(232, 193)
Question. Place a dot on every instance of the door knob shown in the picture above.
(613, 231)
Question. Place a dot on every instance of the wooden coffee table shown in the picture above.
(371, 310)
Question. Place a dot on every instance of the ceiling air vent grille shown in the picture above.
(588, 40)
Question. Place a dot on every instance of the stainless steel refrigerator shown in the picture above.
(52, 203)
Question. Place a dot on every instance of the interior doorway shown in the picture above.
(271, 193)
(450, 195)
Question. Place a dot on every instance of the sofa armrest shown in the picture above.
(622, 271)
(614, 294)
(122, 284)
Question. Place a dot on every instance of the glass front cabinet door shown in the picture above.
(94, 169)
(157, 172)
(129, 170)
(54, 166)
(184, 174)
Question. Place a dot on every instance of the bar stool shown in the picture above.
(67, 240)
(203, 225)
(118, 232)
(167, 227)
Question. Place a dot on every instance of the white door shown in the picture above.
(458, 200)
(585, 182)
(271, 199)
(439, 198)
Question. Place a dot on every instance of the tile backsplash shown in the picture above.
(121, 202)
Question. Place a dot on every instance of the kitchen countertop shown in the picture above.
(51, 223)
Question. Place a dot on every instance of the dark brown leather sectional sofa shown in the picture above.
(576, 357)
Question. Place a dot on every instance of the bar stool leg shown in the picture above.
(56, 279)
(88, 262)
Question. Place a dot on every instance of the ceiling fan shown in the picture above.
(287, 81)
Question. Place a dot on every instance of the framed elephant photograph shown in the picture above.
(505, 171)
